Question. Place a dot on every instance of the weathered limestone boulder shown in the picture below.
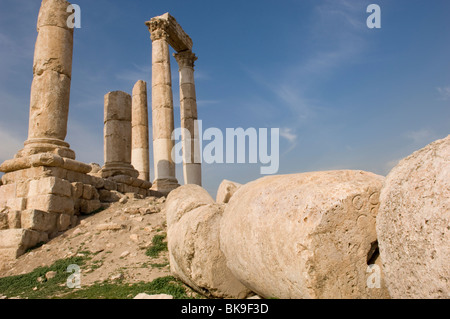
(308, 235)
(413, 224)
(226, 190)
(183, 200)
(193, 220)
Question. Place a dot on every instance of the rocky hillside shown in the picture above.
(125, 243)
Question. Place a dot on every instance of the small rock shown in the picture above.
(124, 254)
(132, 210)
(109, 226)
(254, 297)
(117, 277)
(139, 219)
(134, 237)
(76, 231)
(148, 229)
(35, 288)
(123, 200)
(146, 296)
(50, 275)
(2, 297)
(40, 279)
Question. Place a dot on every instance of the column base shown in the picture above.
(115, 169)
(165, 186)
(46, 145)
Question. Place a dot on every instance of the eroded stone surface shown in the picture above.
(413, 224)
(307, 235)
(193, 220)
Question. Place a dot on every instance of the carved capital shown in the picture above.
(158, 29)
(185, 59)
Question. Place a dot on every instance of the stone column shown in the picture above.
(139, 124)
(162, 113)
(117, 133)
(192, 168)
(50, 89)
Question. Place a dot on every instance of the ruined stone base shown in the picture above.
(42, 195)
(165, 186)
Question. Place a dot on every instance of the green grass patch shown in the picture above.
(164, 285)
(158, 245)
(27, 286)
(159, 265)
(22, 285)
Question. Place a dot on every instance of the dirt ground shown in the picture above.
(116, 239)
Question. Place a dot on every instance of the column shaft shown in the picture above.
(162, 116)
(50, 89)
(139, 123)
(117, 134)
(188, 108)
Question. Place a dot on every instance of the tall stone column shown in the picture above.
(50, 89)
(192, 169)
(162, 113)
(139, 124)
(117, 134)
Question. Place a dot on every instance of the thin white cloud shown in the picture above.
(444, 93)
(9, 145)
(288, 134)
(421, 136)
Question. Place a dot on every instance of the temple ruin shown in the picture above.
(44, 188)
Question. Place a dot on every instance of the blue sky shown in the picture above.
(344, 96)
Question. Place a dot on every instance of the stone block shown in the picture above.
(38, 220)
(7, 192)
(88, 192)
(89, 206)
(4, 220)
(14, 219)
(97, 182)
(110, 185)
(305, 236)
(12, 238)
(52, 204)
(64, 222)
(50, 185)
(413, 224)
(77, 190)
(16, 203)
(22, 188)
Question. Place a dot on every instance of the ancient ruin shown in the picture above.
(322, 235)
(44, 188)
(166, 31)
(139, 124)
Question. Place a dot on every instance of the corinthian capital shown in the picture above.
(185, 59)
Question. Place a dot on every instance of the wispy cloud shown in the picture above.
(288, 134)
(9, 145)
(135, 73)
(421, 136)
(444, 93)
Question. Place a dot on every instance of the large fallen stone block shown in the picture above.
(193, 221)
(308, 235)
(183, 200)
(226, 190)
(413, 224)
